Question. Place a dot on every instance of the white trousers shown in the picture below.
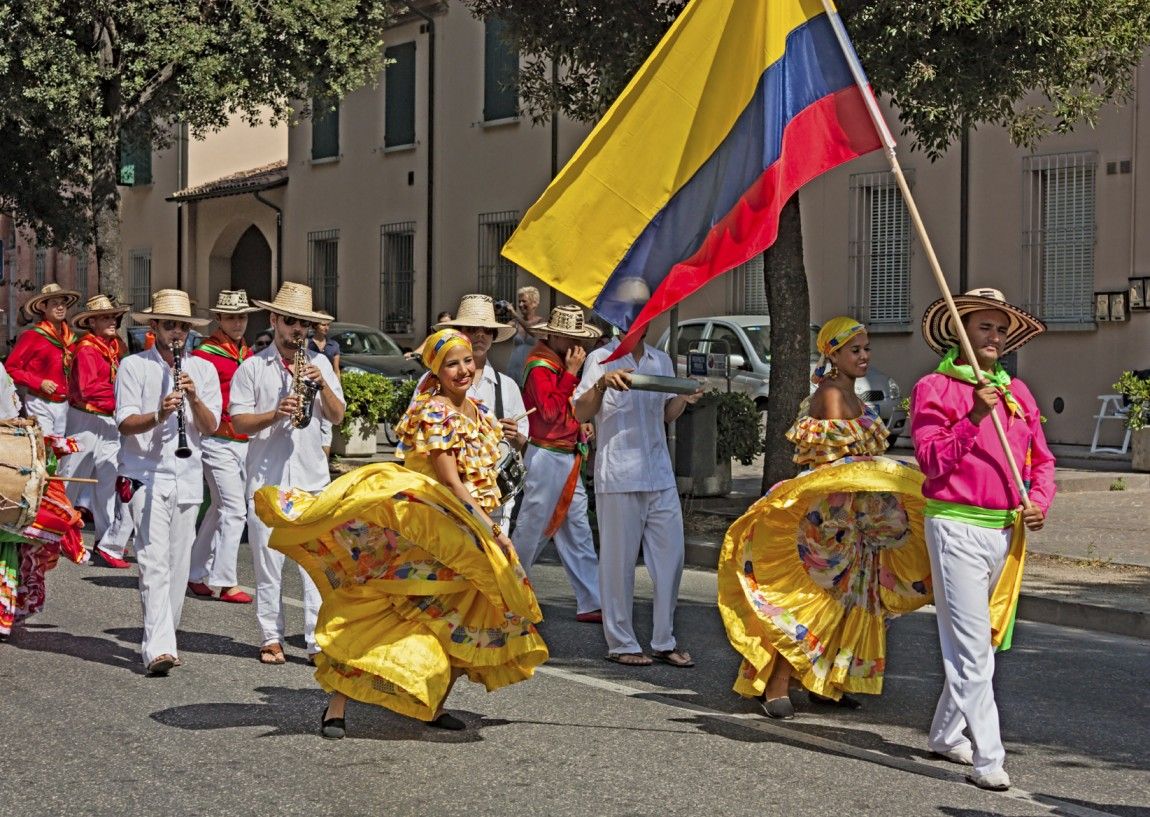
(115, 540)
(655, 520)
(164, 546)
(217, 544)
(547, 473)
(52, 417)
(269, 566)
(99, 442)
(965, 563)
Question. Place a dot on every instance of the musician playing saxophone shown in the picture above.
(267, 398)
(162, 491)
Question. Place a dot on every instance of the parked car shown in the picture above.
(367, 349)
(747, 340)
(137, 336)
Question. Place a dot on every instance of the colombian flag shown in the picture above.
(741, 104)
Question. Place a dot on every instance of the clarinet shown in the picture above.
(183, 451)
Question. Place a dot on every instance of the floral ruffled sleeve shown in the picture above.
(819, 442)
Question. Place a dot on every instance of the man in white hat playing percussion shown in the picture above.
(283, 449)
(162, 417)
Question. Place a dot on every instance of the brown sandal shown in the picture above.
(676, 657)
(272, 654)
(629, 659)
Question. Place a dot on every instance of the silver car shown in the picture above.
(747, 340)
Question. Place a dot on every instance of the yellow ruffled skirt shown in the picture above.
(399, 619)
(812, 570)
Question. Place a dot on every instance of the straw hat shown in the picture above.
(566, 321)
(170, 305)
(48, 292)
(478, 310)
(939, 331)
(97, 305)
(294, 301)
(233, 302)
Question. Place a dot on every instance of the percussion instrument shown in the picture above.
(23, 476)
(512, 472)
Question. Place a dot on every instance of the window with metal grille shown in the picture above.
(40, 267)
(879, 248)
(497, 275)
(500, 71)
(399, 96)
(749, 290)
(140, 269)
(397, 277)
(81, 275)
(324, 128)
(323, 269)
(136, 153)
(1058, 233)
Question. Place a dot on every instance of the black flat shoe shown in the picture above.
(332, 728)
(778, 708)
(446, 721)
(845, 702)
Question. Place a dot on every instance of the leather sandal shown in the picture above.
(778, 708)
(272, 654)
(676, 657)
(629, 659)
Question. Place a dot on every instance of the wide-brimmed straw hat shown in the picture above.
(940, 333)
(31, 307)
(233, 302)
(97, 305)
(566, 321)
(294, 300)
(478, 310)
(170, 305)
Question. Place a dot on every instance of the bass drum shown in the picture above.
(23, 475)
(512, 472)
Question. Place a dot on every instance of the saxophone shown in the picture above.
(303, 388)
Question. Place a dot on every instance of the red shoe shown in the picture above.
(235, 597)
(101, 558)
(200, 589)
(593, 617)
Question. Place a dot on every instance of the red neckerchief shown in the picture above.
(220, 344)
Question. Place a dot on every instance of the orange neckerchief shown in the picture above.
(62, 340)
(112, 349)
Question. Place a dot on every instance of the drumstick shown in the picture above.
(523, 416)
(85, 480)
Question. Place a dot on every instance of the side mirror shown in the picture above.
(739, 362)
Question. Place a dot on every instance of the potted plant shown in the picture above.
(720, 427)
(1135, 387)
(370, 398)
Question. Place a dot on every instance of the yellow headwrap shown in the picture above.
(834, 335)
(436, 347)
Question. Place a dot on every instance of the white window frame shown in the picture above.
(880, 250)
(323, 269)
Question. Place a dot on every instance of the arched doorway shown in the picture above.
(252, 271)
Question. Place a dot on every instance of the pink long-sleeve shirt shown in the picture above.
(964, 462)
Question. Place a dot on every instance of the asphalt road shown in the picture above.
(86, 732)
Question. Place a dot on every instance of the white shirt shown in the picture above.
(9, 400)
(482, 388)
(630, 436)
(282, 454)
(142, 381)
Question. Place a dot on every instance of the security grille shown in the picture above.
(81, 276)
(497, 275)
(40, 267)
(880, 250)
(323, 268)
(140, 268)
(1058, 234)
(749, 291)
(397, 277)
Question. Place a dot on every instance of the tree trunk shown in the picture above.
(788, 303)
(106, 225)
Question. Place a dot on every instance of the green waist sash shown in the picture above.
(970, 514)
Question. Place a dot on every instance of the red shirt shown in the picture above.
(41, 354)
(92, 379)
(223, 353)
(547, 388)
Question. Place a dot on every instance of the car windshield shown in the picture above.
(760, 337)
(365, 342)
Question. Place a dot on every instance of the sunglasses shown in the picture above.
(169, 326)
(289, 321)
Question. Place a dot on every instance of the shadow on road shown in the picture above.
(85, 647)
(118, 582)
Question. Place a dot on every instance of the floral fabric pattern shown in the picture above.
(820, 442)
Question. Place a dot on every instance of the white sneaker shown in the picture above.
(962, 754)
(998, 780)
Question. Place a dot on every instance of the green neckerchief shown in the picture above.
(997, 378)
(969, 514)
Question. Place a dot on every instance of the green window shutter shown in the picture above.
(500, 72)
(324, 128)
(135, 158)
(399, 95)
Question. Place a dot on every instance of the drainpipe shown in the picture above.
(181, 183)
(279, 238)
(180, 245)
(964, 210)
(430, 293)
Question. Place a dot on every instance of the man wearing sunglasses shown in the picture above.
(262, 405)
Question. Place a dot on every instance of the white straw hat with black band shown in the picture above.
(294, 301)
(940, 333)
(233, 302)
(170, 305)
(48, 292)
(478, 310)
(566, 321)
(97, 305)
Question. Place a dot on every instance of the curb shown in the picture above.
(704, 554)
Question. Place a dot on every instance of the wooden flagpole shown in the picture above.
(920, 228)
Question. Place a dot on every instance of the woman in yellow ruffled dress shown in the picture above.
(419, 585)
(808, 575)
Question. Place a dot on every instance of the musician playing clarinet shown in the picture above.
(166, 402)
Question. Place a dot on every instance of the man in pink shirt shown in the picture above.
(972, 506)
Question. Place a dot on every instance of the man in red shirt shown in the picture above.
(554, 500)
(91, 396)
(40, 359)
(217, 544)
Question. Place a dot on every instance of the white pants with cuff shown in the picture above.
(217, 544)
(269, 566)
(965, 562)
(547, 473)
(99, 442)
(52, 417)
(115, 541)
(653, 519)
(163, 548)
